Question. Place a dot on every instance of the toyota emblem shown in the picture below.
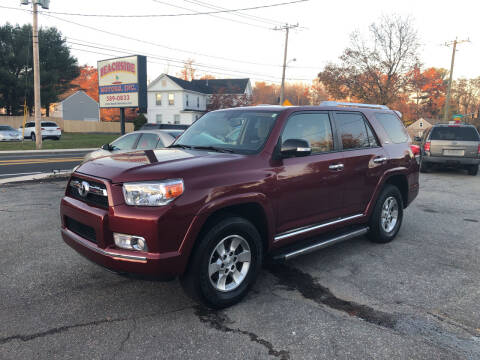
(83, 189)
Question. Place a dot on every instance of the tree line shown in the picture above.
(380, 66)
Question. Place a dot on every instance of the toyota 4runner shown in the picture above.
(240, 186)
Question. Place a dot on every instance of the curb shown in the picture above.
(43, 176)
(45, 151)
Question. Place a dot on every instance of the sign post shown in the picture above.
(122, 83)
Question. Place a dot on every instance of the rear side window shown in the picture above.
(125, 142)
(353, 131)
(454, 133)
(393, 127)
(147, 142)
(49, 124)
(315, 128)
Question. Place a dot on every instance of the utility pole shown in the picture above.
(36, 68)
(287, 28)
(36, 80)
(449, 89)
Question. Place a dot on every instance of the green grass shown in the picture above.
(67, 141)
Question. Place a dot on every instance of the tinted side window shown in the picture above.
(312, 127)
(454, 133)
(371, 138)
(125, 142)
(147, 142)
(393, 127)
(30, 124)
(353, 130)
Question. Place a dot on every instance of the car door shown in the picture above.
(363, 158)
(309, 187)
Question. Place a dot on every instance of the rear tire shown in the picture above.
(424, 167)
(33, 136)
(473, 170)
(225, 263)
(387, 215)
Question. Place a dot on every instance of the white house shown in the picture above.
(175, 101)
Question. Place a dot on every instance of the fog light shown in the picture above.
(130, 242)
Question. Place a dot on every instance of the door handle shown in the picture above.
(337, 167)
(380, 160)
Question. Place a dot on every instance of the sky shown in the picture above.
(232, 46)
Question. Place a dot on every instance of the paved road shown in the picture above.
(415, 298)
(12, 165)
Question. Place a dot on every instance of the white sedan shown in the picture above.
(7, 133)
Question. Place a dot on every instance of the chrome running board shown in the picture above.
(323, 243)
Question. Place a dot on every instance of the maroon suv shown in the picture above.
(240, 185)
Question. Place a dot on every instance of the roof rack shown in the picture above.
(349, 104)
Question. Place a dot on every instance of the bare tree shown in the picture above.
(377, 68)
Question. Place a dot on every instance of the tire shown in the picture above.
(424, 167)
(473, 170)
(203, 281)
(57, 138)
(382, 230)
(32, 136)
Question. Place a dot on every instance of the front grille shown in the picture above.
(97, 196)
(85, 231)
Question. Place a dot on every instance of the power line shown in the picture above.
(202, 67)
(215, 16)
(245, 16)
(174, 15)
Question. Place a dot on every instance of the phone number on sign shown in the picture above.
(118, 98)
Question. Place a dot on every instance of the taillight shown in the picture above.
(59, 129)
(426, 147)
(478, 151)
(415, 149)
(43, 128)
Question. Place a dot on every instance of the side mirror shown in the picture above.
(106, 147)
(295, 147)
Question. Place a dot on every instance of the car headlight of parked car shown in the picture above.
(156, 193)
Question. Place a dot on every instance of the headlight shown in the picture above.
(156, 193)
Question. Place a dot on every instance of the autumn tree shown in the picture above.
(222, 100)
(428, 89)
(376, 68)
(188, 71)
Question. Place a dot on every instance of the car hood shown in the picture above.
(152, 164)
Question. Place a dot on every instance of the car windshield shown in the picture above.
(454, 133)
(6, 128)
(239, 131)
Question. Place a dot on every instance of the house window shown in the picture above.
(176, 119)
(198, 102)
(158, 98)
(171, 99)
(187, 101)
(158, 118)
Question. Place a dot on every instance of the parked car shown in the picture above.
(7, 133)
(214, 205)
(453, 145)
(137, 140)
(49, 129)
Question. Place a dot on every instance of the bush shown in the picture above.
(139, 121)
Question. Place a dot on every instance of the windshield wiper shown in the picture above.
(213, 148)
(181, 146)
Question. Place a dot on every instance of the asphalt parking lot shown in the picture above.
(415, 298)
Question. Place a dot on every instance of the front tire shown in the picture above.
(473, 170)
(387, 215)
(33, 136)
(225, 263)
(424, 167)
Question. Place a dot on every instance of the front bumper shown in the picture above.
(450, 160)
(157, 262)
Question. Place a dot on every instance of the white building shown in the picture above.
(175, 101)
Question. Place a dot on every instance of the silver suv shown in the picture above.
(455, 145)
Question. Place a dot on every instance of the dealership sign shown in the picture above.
(122, 82)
